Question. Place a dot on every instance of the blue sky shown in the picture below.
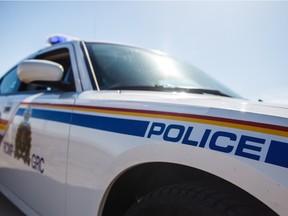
(242, 44)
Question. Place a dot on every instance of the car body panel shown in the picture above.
(62, 151)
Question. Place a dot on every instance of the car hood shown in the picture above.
(174, 100)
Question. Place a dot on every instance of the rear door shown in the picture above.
(35, 124)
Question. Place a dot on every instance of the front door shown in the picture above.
(34, 135)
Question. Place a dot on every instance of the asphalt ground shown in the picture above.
(7, 208)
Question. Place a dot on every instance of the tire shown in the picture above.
(194, 199)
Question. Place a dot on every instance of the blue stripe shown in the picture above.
(20, 112)
(278, 154)
(58, 116)
(116, 125)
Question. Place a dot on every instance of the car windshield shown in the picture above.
(124, 67)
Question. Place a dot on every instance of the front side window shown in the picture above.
(125, 67)
(10, 83)
(62, 57)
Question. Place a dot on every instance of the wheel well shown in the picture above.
(144, 178)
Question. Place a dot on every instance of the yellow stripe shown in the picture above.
(3, 127)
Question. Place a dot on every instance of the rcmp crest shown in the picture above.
(23, 139)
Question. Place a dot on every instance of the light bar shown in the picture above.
(56, 39)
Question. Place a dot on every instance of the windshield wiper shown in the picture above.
(171, 89)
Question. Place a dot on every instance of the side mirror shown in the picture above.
(39, 70)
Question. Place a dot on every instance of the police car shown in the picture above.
(106, 129)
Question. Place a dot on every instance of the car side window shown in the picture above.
(10, 83)
(62, 57)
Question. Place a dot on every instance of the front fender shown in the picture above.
(256, 178)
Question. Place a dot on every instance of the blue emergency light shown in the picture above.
(56, 39)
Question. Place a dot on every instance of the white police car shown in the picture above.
(105, 129)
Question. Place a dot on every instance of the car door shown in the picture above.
(35, 124)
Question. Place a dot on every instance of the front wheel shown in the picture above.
(193, 199)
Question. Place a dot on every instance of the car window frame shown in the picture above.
(44, 52)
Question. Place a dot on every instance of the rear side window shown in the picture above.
(10, 83)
